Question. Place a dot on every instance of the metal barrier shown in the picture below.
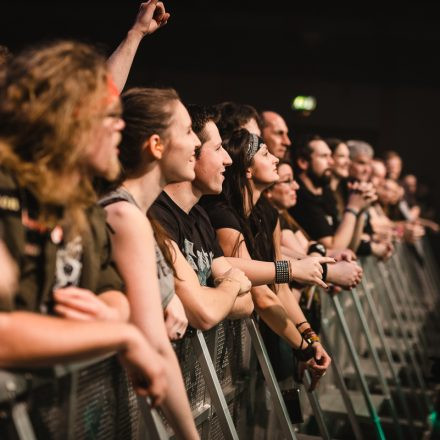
(376, 334)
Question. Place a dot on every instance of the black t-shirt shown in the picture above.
(317, 215)
(260, 225)
(257, 230)
(192, 232)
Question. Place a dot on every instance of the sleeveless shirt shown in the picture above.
(164, 273)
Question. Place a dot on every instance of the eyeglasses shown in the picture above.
(287, 182)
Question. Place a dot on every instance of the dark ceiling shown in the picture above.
(375, 73)
(368, 45)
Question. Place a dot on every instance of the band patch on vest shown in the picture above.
(9, 201)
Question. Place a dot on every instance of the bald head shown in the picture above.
(275, 133)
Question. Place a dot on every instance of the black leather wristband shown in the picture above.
(324, 271)
(352, 211)
(317, 248)
(364, 248)
(306, 354)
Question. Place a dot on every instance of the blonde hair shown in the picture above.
(49, 98)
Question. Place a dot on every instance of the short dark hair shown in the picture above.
(390, 154)
(200, 116)
(233, 116)
(333, 143)
(303, 150)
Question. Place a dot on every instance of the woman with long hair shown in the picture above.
(248, 227)
(157, 148)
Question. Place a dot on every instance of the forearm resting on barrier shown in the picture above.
(32, 340)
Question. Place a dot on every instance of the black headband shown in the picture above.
(255, 143)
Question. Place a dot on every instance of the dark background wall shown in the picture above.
(374, 73)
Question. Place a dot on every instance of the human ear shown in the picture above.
(248, 173)
(302, 163)
(154, 146)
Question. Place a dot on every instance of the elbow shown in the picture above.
(203, 321)
(243, 311)
(248, 308)
(263, 301)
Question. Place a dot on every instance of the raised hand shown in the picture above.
(151, 17)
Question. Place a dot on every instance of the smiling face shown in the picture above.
(360, 167)
(283, 192)
(178, 158)
(341, 161)
(101, 157)
(263, 170)
(378, 173)
(212, 162)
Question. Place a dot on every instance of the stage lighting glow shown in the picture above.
(304, 103)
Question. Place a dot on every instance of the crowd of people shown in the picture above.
(128, 217)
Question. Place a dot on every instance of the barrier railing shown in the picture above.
(378, 336)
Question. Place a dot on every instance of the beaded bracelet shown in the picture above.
(300, 324)
(282, 271)
(310, 336)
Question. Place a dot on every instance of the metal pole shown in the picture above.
(215, 391)
(387, 292)
(400, 351)
(341, 385)
(271, 381)
(153, 423)
(388, 356)
(316, 408)
(22, 422)
(354, 357)
(383, 383)
(421, 348)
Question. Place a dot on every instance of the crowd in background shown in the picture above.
(128, 217)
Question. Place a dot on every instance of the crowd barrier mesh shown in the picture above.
(95, 400)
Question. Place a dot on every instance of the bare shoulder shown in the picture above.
(123, 216)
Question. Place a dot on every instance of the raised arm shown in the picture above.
(151, 16)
